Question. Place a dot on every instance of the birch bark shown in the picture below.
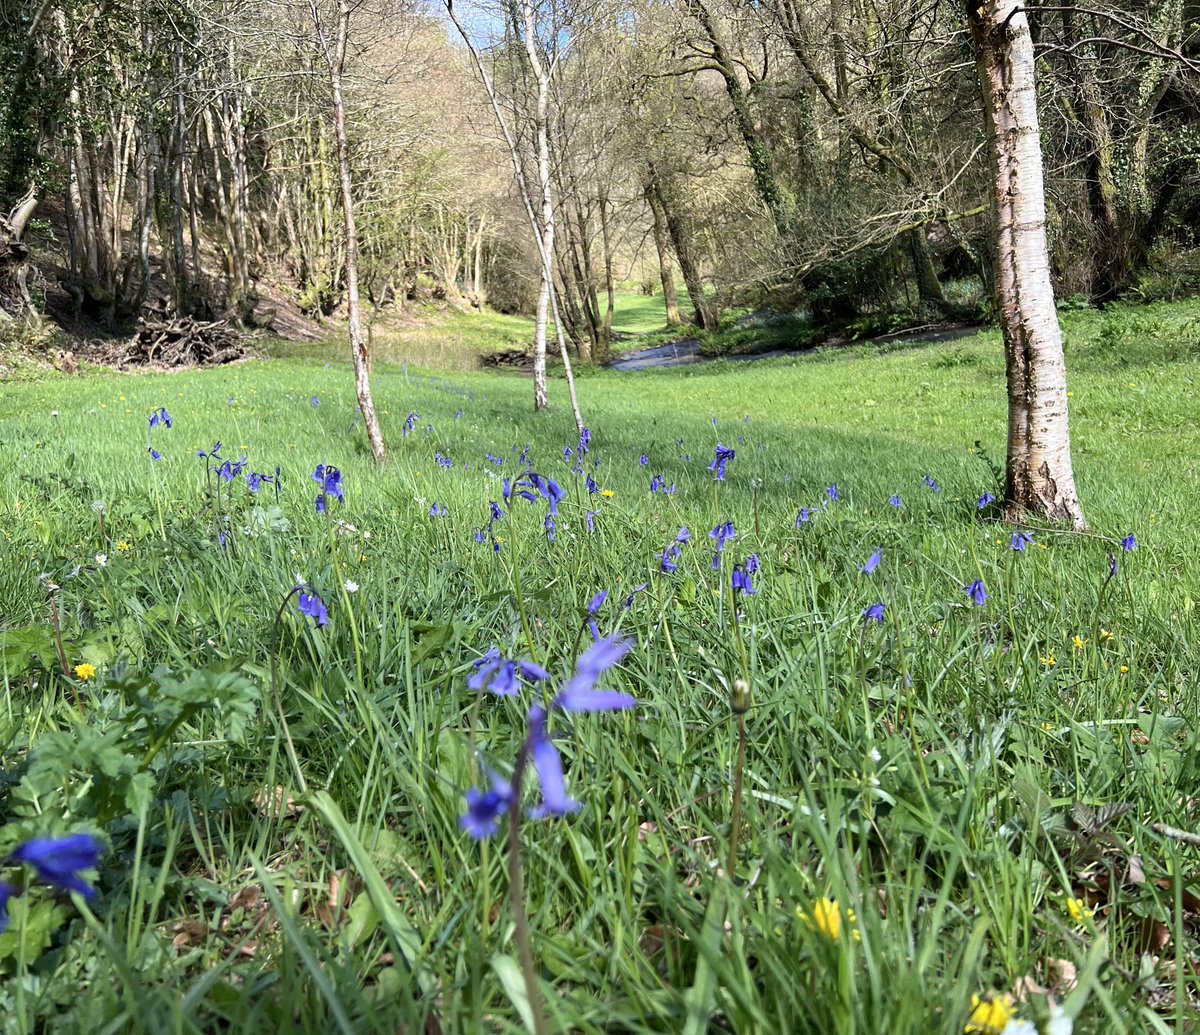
(1039, 478)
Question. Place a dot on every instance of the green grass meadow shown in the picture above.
(960, 803)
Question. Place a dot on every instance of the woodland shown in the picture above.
(875, 678)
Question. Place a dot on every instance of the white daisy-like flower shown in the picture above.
(351, 586)
(102, 559)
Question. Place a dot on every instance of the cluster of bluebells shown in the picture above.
(311, 605)
(531, 486)
(721, 535)
(721, 456)
(57, 862)
(330, 480)
(668, 560)
(159, 417)
(742, 572)
(494, 673)
(659, 484)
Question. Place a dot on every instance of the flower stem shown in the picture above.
(516, 895)
(287, 734)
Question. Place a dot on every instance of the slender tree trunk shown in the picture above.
(610, 286)
(1039, 477)
(514, 153)
(662, 244)
(677, 227)
(336, 60)
(546, 215)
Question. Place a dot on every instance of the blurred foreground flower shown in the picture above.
(990, 1016)
(58, 861)
(826, 919)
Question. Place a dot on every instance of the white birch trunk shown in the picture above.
(1039, 479)
(336, 61)
(546, 215)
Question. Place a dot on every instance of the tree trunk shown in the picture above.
(336, 60)
(14, 290)
(677, 227)
(1039, 478)
(546, 216)
(666, 269)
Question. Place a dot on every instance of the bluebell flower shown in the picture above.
(656, 483)
(580, 693)
(741, 574)
(832, 492)
(805, 515)
(315, 402)
(58, 861)
(484, 808)
(874, 613)
(930, 484)
(1020, 540)
(722, 534)
(498, 675)
(636, 590)
(551, 527)
(154, 453)
(410, 422)
(1129, 543)
(311, 605)
(683, 536)
(7, 891)
(590, 483)
(589, 519)
(160, 416)
(567, 454)
(872, 562)
(668, 558)
(985, 501)
(976, 592)
(212, 453)
(585, 441)
(255, 480)
(437, 510)
(597, 602)
(480, 536)
(643, 460)
(330, 480)
(523, 459)
(498, 461)
(548, 766)
(721, 456)
(894, 500)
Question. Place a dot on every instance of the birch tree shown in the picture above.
(1039, 478)
(335, 60)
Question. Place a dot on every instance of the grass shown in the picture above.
(922, 772)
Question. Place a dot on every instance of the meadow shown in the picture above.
(890, 766)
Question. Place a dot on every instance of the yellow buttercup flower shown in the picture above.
(1124, 668)
(1047, 661)
(1106, 636)
(85, 671)
(990, 1016)
(826, 919)
(123, 546)
(1078, 642)
(1077, 910)
(607, 493)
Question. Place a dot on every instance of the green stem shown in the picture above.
(287, 733)
(516, 895)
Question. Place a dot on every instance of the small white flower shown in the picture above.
(1018, 1026)
(98, 506)
(1060, 1022)
(298, 578)
(351, 586)
(54, 413)
(367, 534)
(102, 559)
(876, 756)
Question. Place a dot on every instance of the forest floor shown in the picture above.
(963, 746)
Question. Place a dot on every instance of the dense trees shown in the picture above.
(828, 156)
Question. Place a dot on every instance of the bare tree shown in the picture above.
(1039, 478)
(335, 60)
